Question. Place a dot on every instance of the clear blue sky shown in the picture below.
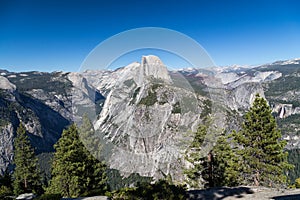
(48, 35)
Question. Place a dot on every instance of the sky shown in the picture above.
(57, 35)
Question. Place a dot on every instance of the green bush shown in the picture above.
(149, 100)
(49, 197)
(158, 191)
(124, 194)
(297, 183)
(5, 191)
(116, 181)
(176, 108)
(94, 192)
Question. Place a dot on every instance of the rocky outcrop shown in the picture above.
(6, 85)
(144, 118)
(85, 98)
(152, 66)
(140, 111)
(26, 196)
(243, 96)
(6, 146)
(285, 110)
(43, 111)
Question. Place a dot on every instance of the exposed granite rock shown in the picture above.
(141, 110)
(6, 146)
(6, 85)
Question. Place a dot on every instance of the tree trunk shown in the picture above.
(256, 178)
(25, 184)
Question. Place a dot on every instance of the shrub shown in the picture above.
(94, 192)
(149, 100)
(158, 191)
(49, 197)
(5, 191)
(297, 183)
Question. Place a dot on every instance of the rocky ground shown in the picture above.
(243, 193)
(257, 193)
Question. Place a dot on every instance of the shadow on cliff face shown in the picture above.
(52, 123)
(219, 193)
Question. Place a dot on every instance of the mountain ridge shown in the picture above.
(148, 88)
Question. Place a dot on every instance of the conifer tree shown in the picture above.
(6, 188)
(88, 137)
(96, 167)
(225, 164)
(26, 177)
(74, 170)
(260, 145)
(195, 158)
(219, 167)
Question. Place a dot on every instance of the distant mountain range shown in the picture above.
(141, 112)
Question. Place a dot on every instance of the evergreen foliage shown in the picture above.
(6, 188)
(255, 155)
(96, 169)
(26, 174)
(264, 160)
(49, 197)
(219, 167)
(87, 136)
(6, 179)
(196, 159)
(44, 163)
(74, 169)
(116, 181)
(294, 158)
(5, 192)
(224, 164)
(297, 183)
(161, 190)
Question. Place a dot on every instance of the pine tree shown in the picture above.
(225, 164)
(26, 174)
(218, 167)
(96, 168)
(6, 188)
(195, 158)
(88, 137)
(261, 147)
(74, 169)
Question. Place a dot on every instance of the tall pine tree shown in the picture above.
(89, 138)
(74, 170)
(26, 177)
(224, 164)
(261, 147)
(195, 158)
(96, 167)
(219, 167)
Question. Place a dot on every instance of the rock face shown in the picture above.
(6, 85)
(152, 66)
(85, 97)
(139, 119)
(26, 196)
(285, 110)
(141, 112)
(6, 147)
(43, 111)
